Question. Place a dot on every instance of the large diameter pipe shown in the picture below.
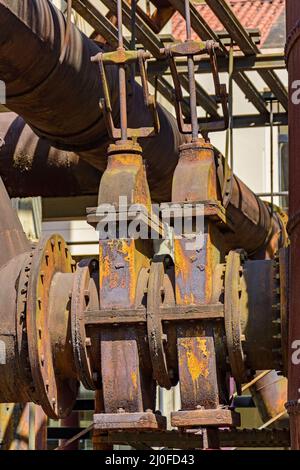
(256, 228)
(29, 166)
(60, 101)
(293, 61)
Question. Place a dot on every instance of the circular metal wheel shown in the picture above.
(55, 392)
(232, 315)
(160, 292)
(84, 292)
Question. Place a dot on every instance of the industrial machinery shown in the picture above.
(167, 307)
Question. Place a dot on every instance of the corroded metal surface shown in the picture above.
(146, 421)
(293, 57)
(49, 346)
(156, 296)
(254, 223)
(125, 364)
(213, 417)
(29, 166)
(84, 296)
(69, 115)
(228, 438)
(233, 289)
(133, 322)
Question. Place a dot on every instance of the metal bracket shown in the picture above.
(190, 49)
(121, 58)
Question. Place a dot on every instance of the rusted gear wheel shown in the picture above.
(232, 314)
(84, 295)
(55, 391)
(160, 293)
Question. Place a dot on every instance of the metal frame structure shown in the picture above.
(155, 301)
(246, 58)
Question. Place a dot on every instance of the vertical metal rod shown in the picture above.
(230, 103)
(272, 154)
(122, 77)
(133, 39)
(191, 75)
(188, 20)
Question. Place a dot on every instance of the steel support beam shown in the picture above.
(110, 33)
(255, 120)
(98, 21)
(254, 63)
(205, 33)
(153, 44)
(238, 33)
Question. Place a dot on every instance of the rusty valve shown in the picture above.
(190, 49)
(121, 58)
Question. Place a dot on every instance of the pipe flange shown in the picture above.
(284, 256)
(159, 293)
(84, 293)
(232, 318)
(280, 311)
(21, 328)
(55, 393)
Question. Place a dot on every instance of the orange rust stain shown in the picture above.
(197, 367)
(187, 299)
(134, 261)
(128, 251)
(104, 265)
(209, 268)
(134, 379)
(182, 265)
(182, 270)
(120, 160)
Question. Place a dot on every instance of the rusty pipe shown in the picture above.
(293, 58)
(29, 166)
(60, 100)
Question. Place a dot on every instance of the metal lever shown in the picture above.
(190, 49)
(121, 58)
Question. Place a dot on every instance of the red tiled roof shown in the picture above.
(253, 14)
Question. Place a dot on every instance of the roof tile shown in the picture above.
(253, 14)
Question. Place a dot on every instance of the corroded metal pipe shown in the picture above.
(257, 229)
(60, 101)
(29, 166)
(293, 60)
